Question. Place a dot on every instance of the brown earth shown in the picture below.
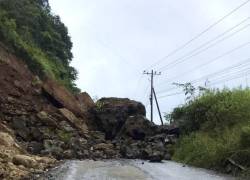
(38, 118)
(41, 122)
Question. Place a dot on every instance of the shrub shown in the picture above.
(213, 110)
(215, 127)
(245, 137)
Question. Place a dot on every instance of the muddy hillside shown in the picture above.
(42, 123)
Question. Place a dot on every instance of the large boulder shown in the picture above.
(74, 121)
(85, 101)
(60, 97)
(112, 113)
(137, 127)
(7, 140)
(26, 161)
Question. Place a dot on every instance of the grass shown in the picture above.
(215, 127)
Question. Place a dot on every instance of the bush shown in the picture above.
(214, 127)
(208, 150)
(213, 110)
(245, 137)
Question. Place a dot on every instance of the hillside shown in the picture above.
(41, 122)
(215, 130)
(33, 33)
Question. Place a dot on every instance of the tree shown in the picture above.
(41, 38)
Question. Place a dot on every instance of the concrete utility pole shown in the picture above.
(153, 94)
(158, 107)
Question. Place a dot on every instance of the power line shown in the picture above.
(246, 61)
(210, 41)
(168, 95)
(232, 78)
(235, 66)
(181, 60)
(200, 34)
(137, 85)
(210, 61)
(212, 74)
(115, 53)
(218, 82)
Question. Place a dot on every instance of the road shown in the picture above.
(133, 170)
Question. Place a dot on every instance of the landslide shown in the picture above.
(39, 121)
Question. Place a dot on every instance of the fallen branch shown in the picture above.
(232, 162)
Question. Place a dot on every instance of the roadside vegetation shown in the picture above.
(33, 33)
(215, 130)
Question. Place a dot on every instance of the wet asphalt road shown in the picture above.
(132, 170)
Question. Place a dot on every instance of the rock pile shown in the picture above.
(124, 123)
(41, 120)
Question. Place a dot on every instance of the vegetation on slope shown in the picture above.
(32, 32)
(215, 130)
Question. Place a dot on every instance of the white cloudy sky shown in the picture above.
(115, 40)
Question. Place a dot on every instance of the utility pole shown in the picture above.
(152, 94)
(158, 107)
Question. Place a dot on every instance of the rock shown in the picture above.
(85, 101)
(86, 153)
(53, 147)
(6, 140)
(19, 124)
(77, 143)
(158, 138)
(73, 120)
(5, 129)
(174, 131)
(47, 132)
(44, 160)
(97, 137)
(156, 157)
(159, 146)
(167, 156)
(24, 160)
(103, 146)
(46, 119)
(66, 126)
(36, 134)
(60, 97)
(68, 154)
(137, 127)
(35, 147)
(112, 113)
(131, 150)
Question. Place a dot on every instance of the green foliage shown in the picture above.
(207, 149)
(64, 136)
(33, 33)
(215, 127)
(213, 110)
(245, 137)
(99, 106)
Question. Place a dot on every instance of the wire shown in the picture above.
(168, 95)
(232, 78)
(210, 61)
(115, 53)
(137, 85)
(200, 34)
(218, 82)
(246, 61)
(235, 66)
(210, 41)
(180, 60)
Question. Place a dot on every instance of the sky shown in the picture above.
(116, 40)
